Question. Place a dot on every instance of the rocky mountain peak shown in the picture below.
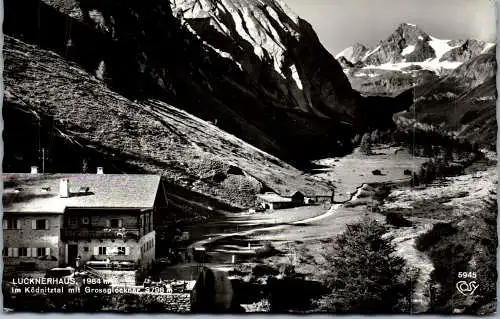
(354, 54)
(403, 41)
(408, 45)
(276, 48)
(410, 33)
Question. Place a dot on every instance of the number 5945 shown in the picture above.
(465, 274)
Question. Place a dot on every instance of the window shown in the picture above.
(11, 224)
(73, 221)
(5, 252)
(12, 252)
(85, 249)
(115, 223)
(85, 221)
(40, 224)
(102, 250)
(40, 252)
(23, 252)
(14, 224)
(121, 250)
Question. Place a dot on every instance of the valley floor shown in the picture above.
(301, 234)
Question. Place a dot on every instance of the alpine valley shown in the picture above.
(453, 81)
(364, 182)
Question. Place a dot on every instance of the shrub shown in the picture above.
(377, 172)
(407, 172)
(437, 232)
(267, 250)
(366, 145)
(356, 139)
(397, 220)
(261, 306)
(382, 192)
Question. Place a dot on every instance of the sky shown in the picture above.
(341, 23)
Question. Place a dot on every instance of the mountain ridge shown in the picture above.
(409, 45)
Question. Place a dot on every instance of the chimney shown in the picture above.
(64, 188)
(100, 170)
(34, 169)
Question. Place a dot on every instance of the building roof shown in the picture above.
(40, 192)
(273, 198)
(298, 193)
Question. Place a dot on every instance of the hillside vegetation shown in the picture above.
(81, 119)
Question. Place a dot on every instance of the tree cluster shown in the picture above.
(363, 275)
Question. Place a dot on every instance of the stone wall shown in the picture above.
(173, 302)
(176, 302)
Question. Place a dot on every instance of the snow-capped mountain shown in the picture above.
(354, 53)
(408, 57)
(409, 46)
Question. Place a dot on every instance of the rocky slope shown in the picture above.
(252, 66)
(54, 104)
(301, 73)
(463, 102)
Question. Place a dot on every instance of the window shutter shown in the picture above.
(18, 224)
(10, 252)
(15, 252)
(33, 252)
(120, 223)
(96, 250)
(108, 223)
(33, 224)
(46, 224)
(127, 251)
(28, 252)
(5, 223)
(47, 251)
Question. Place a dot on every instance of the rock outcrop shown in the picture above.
(466, 51)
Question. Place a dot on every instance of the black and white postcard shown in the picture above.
(246, 156)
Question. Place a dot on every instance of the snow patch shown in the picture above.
(430, 64)
(296, 77)
(346, 53)
(487, 47)
(223, 54)
(409, 49)
(440, 47)
(371, 52)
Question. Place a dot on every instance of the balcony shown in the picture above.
(100, 233)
